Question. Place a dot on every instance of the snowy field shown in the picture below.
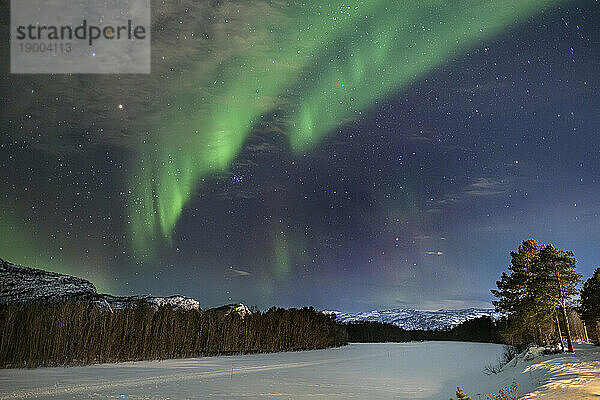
(428, 370)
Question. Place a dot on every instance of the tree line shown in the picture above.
(482, 329)
(79, 333)
(590, 305)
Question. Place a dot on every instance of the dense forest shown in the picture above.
(79, 333)
(482, 329)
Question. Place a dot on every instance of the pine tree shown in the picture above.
(516, 295)
(590, 298)
(542, 280)
(556, 283)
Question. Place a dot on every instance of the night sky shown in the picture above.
(346, 155)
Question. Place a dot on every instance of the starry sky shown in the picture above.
(346, 155)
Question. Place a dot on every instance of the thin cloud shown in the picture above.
(421, 237)
(487, 187)
(481, 187)
(236, 273)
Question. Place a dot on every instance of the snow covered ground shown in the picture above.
(552, 377)
(428, 370)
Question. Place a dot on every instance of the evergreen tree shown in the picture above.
(542, 280)
(555, 283)
(590, 298)
(516, 292)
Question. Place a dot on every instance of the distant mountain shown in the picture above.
(22, 285)
(415, 319)
(239, 308)
(121, 302)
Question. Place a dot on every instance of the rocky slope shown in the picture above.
(120, 302)
(21, 285)
(240, 309)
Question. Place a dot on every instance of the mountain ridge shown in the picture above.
(411, 319)
(22, 285)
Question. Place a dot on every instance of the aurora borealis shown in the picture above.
(332, 61)
(348, 155)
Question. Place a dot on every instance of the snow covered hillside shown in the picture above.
(110, 302)
(562, 376)
(22, 285)
(415, 319)
(241, 309)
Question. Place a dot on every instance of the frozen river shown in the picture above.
(427, 370)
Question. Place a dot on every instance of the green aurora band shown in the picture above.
(317, 67)
(26, 242)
